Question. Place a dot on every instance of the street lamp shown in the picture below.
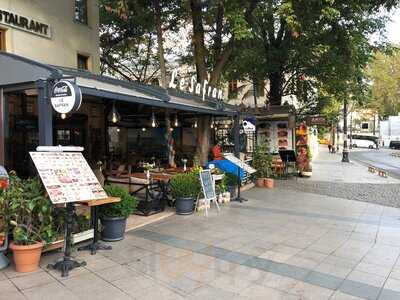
(345, 152)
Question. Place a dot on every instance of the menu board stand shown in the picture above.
(67, 263)
(67, 178)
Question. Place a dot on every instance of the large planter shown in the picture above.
(113, 228)
(26, 258)
(260, 182)
(269, 183)
(184, 205)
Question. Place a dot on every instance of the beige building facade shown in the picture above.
(57, 32)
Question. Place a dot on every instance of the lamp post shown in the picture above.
(345, 152)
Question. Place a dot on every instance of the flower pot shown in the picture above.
(184, 206)
(26, 257)
(260, 182)
(113, 228)
(269, 183)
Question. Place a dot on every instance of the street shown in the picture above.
(381, 159)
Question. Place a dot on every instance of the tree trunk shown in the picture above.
(198, 40)
(275, 88)
(160, 43)
(203, 139)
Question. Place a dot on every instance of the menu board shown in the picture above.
(207, 183)
(239, 163)
(67, 177)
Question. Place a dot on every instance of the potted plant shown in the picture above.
(263, 164)
(30, 216)
(184, 188)
(231, 181)
(113, 216)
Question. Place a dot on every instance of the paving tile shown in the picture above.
(29, 281)
(12, 295)
(334, 270)
(373, 269)
(277, 282)
(367, 278)
(275, 256)
(230, 283)
(324, 280)
(2, 276)
(7, 286)
(50, 291)
(359, 289)
(132, 286)
(389, 295)
(185, 284)
(175, 252)
(216, 252)
(338, 295)
(10, 272)
(392, 284)
(117, 272)
(311, 292)
(85, 281)
(258, 292)
(158, 292)
(99, 264)
(207, 292)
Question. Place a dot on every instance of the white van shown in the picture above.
(358, 143)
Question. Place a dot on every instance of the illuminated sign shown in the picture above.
(202, 89)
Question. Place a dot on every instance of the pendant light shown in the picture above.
(153, 120)
(63, 116)
(176, 122)
(195, 123)
(114, 115)
(144, 129)
(212, 123)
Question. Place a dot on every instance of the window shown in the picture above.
(364, 125)
(2, 40)
(83, 62)
(81, 11)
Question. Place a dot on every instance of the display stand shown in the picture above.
(95, 244)
(287, 156)
(239, 183)
(67, 263)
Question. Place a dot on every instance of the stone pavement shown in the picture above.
(281, 244)
(351, 180)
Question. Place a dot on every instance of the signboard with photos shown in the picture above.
(67, 177)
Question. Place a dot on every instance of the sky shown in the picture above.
(393, 28)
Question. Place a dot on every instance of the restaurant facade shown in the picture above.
(118, 122)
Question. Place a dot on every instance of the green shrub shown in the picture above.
(185, 185)
(29, 211)
(124, 208)
(230, 179)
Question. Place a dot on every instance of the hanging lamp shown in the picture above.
(176, 122)
(114, 115)
(153, 120)
(195, 123)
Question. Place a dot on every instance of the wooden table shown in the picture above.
(94, 204)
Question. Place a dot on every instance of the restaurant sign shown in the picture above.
(316, 120)
(65, 97)
(193, 86)
(24, 23)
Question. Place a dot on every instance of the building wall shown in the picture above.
(68, 37)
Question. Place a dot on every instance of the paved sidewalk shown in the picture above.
(281, 244)
(351, 181)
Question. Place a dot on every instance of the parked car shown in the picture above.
(394, 145)
(358, 143)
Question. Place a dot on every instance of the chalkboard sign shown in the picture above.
(207, 183)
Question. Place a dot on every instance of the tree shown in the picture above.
(131, 39)
(384, 75)
(301, 44)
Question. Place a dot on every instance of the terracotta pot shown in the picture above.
(269, 183)
(260, 182)
(26, 258)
